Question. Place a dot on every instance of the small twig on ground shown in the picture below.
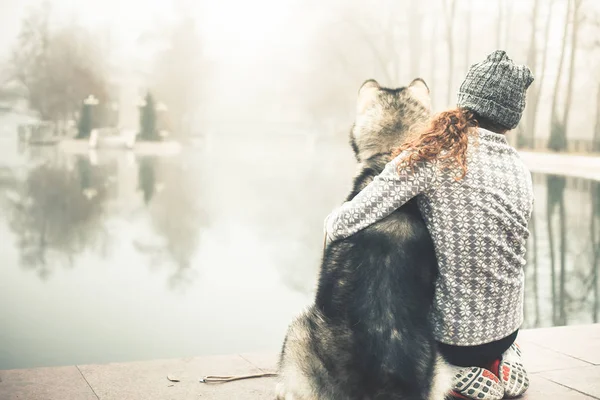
(225, 379)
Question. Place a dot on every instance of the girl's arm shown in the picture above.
(388, 191)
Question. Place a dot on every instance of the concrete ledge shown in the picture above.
(563, 164)
(564, 363)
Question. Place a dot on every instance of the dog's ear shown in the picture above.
(367, 95)
(420, 91)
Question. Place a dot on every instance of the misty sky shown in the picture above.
(263, 48)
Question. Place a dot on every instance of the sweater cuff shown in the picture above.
(328, 226)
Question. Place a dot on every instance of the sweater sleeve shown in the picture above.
(387, 192)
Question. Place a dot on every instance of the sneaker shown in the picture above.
(511, 372)
(476, 383)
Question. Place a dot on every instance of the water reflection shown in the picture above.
(123, 245)
(57, 212)
(595, 240)
(563, 251)
(556, 206)
(175, 217)
(61, 206)
(147, 178)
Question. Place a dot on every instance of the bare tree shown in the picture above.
(526, 139)
(499, 22)
(574, 45)
(178, 74)
(596, 140)
(449, 13)
(414, 37)
(596, 131)
(433, 58)
(595, 239)
(329, 109)
(58, 68)
(508, 29)
(389, 44)
(383, 55)
(30, 57)
(557, 138)
(535, 61)
(352, 49)
(558, 132)
(468, 25)
(532, 60)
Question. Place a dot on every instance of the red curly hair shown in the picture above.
(445, 140)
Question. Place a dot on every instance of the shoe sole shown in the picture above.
(478, 384)
(514, 379)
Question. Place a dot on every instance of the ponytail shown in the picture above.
(445, 140)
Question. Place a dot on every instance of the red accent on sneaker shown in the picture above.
(490, 375)
(495, 367)
(505, 373)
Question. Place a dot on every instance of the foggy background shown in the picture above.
(115, 254)
(295, 62)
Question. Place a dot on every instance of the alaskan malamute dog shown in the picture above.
(368, 335)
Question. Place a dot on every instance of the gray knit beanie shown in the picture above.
(495, 89)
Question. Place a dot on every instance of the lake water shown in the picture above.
(110, 257)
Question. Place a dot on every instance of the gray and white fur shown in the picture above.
(368, 335)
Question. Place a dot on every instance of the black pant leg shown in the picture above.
(476, 356)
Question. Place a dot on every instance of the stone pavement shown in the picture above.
(564, 363)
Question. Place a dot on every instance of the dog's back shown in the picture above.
(368, 334)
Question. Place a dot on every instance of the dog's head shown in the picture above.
(385, 116)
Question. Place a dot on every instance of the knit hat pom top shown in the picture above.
(495, 89)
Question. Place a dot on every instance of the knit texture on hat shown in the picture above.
(495, 89)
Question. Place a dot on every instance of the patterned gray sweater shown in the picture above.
(479, 229)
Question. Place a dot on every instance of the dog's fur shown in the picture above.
(368, 336)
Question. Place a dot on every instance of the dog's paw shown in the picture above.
(280, 391)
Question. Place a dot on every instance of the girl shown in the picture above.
(476, 197)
